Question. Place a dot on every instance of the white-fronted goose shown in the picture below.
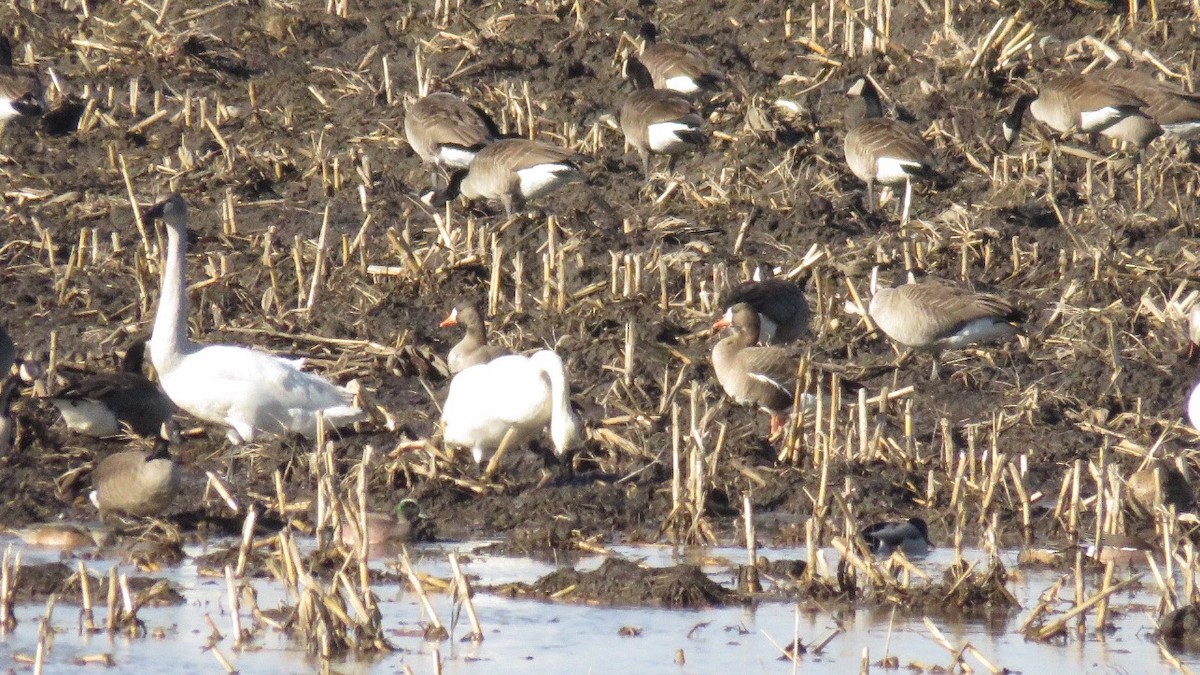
(247, 391)
(658, 121)
(882, 150)
(783, 310)
(102, 404)
(1083, 104)
(136, 482)
(473, 349)
(514, 396)
(750, 375)
(911, 537)
(445, 131)
(1175, 111)
(21, 93)
(680, 68)
(513, 171)
(935, 315)
(397, 527)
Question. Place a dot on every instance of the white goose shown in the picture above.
(518, 393)
(248, 391)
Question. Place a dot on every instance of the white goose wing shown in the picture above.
(487, 399)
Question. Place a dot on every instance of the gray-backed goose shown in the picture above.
(782, 308)
(680, 68)
(445, 131)
(473, 349)
(911, 536)
(935, 315)
(21, 93)
(658, 121)
(882, 150)
(1084, 104)
(101, 404)
(136, 482)
(751, 375)
(513, 171)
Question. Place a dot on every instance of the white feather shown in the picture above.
(980, 330)
(7, 111)
(545, 178)
(455, 157)
(664, 136)
(1094, 120)
(683, 84)
(890, 170)
(90, 418)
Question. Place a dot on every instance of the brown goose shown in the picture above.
(512, 171)
(680, 68)
(136, 482)
(750, 375)
(936, 315)
(782, 308)
(1172, 110)
(445, 131)
(21, 93)
(102, 404)
(401, 525)
(882, 150)
(657, 120)
(473, 349)
(1084, 104)
(1160, 483)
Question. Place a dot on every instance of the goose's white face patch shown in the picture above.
(664, 136)
(544, 178)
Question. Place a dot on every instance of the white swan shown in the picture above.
(248, 391)
(522, 393)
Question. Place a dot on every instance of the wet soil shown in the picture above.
(285, 111)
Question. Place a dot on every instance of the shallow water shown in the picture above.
(522, 635)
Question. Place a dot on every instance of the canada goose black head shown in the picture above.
(1012, 124)
(648, 32)
(862, 88)
(439, 197)
(637, 73)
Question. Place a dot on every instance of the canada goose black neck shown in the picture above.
(135, 357)
(648, 32)
(637, 73)
(1012, 124)
(870, 107)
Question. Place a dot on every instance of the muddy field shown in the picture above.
(276, 118)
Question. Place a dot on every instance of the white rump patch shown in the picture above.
(892, 170)
(1094, 120)
(682, 84)
(664, 136)
(544, 178)
(455, 157)
(981, 330)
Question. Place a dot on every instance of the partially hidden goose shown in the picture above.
(136, 482)
(911, 537)
(1084, 104)
(8, 353)
(658, 121)
(8, 393)
(513, 171)
(758, 376)
(102, 404)
(1160, 483)
(445, 131)
(680, 68)
(1172, 110)
(515, 396)
(21, 92)
(248, 392)
(783, 310)
(399, 526)
(881, 150)
(936, 315)
(473, 349)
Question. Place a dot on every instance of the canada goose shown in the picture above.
(8, 428)
(445, 131)
(513, 171)
(1160, 483)
(399, 526)
(513, 397)
(1083, 104)
(248, 391)
(67, 536)
(657, 120)
(8, 354)
(473, 349)
(783, 310)
(750, 375)
(99, 405)
(680, 68)
(911, 536)
(936, 315)
(882, 150)
(1173, 110)
(136, 482)
(21, 93)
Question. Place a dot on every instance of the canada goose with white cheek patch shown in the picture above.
(249, 392)
(103, 404)
(680, 68)
(515, 396)
(136, 482)
(1084, 104)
